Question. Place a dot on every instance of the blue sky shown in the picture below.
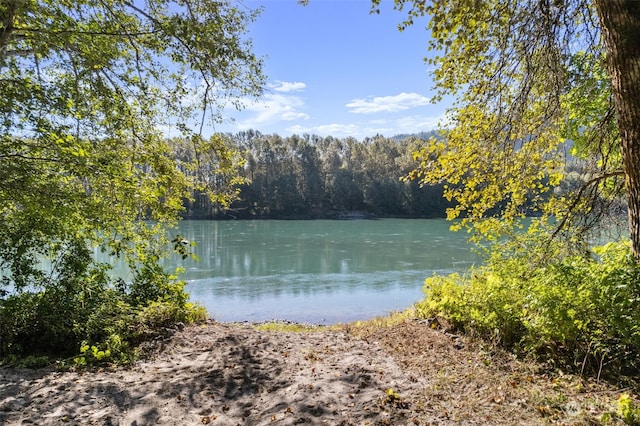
(334, 69)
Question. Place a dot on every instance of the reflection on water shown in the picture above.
(316, 271)
(313, 298)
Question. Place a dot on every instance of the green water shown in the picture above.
(319, 271)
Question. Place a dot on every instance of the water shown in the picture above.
(319, 272)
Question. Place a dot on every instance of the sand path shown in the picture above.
(226, 375)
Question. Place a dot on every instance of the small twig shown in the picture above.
(600, 368)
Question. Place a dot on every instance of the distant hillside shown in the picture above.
(421, 135)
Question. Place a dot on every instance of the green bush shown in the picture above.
(627, 411)
(580, 311)
(78, 312)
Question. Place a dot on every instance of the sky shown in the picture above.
(334, 69)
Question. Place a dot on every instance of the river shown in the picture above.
(317, 271)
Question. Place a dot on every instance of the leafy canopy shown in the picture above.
(88, 91)
(529, 83)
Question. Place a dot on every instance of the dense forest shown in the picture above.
(314, 177)
(310, 176)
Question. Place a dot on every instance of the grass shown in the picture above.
(286, 327)
(470, 379)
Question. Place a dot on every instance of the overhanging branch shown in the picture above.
(580, 194)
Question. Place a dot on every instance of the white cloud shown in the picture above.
(339, 130)
(370, 128)
(417, 123)
(273, 108)
(394, 103)
(288, 86)
(279, 105)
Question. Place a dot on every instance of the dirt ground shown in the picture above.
(233, 374)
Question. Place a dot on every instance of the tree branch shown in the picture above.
(579, 195)
(90, 33)
(30, 158)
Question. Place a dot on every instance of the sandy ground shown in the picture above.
(220, 374)
(223, 374)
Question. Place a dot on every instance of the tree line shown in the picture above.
(309, 176)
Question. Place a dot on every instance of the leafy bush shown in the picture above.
(580, 311)
(78, 312)
(627, 410)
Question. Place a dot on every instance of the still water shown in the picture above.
(319, 271)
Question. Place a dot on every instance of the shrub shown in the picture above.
(627, 410)
(80, 313)
(575, 310)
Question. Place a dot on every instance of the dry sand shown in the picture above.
(231, 374)
(219, 374)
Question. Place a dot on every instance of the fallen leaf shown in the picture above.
(544, 410)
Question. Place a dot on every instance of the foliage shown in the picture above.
(573, 310)
(393, 398)
(61, 320)
(88, 91)
(310, 176)
(287, 327)
(627, 410)
(539, 86)
(531, 85)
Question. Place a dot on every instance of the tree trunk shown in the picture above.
(620, 21)
(7, 18)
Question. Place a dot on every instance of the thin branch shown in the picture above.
(90, 33)
(18, 52)
(578, 197)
